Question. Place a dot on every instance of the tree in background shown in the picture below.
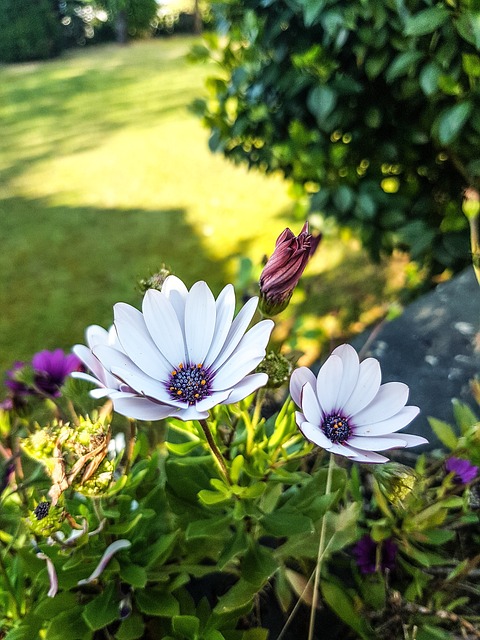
(131, 17)
(372, 108)
(29, 30)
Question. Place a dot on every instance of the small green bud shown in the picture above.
(155, 281)
(278, 369)
(396, 481)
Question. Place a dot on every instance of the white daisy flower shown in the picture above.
(101, 378)
(183, 354)
(346, 410)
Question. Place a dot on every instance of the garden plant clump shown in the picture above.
(179, 476)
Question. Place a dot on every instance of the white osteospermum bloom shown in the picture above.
(105, 382)
(346, 410)
(184, 353)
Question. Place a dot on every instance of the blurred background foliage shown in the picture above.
(370, 108)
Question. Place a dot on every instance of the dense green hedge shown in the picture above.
(29, 30)
(372, 106)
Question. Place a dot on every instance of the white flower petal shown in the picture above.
(298, 379)
(236, 332)
(96, 335)
(328, 383)
(191, 413)
(137, 343)
(85, 376)
(101, 392)
(368, 384)
(351, 367)
(315, 434)
(238, 366)
(247, 386)
(217, 397)
(225, 309)
(164, 327)
(90, 361)
(375, 443)
(390, 399)
(110, 357)
(145, 385)
(390, 425)
(411, 440)
(344, 450)
(176, 292)
(311, 408)
(199, 322)
(370, 457)
(142, 408)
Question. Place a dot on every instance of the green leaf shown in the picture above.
(321, 102)
(212, 527)
(133, 575)
(286, 523)
(68, 624)
(471, 64)
(464, 416)
(156, 553)
(428, 78)
(187, 626)
(427, 632)
(131, 628)
(102, 610)
(444, 432)
(50, 607)
(402, 64)
(340, 602)
(312, 9)
(258, 565)
(451, 121)
(157, 603)
(426, 21)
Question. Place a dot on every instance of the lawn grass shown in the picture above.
(105, 175)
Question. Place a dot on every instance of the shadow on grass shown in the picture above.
(70, 105)
(63, 268)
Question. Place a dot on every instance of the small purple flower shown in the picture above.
(370, 558)
(51, 369)
(464, 470)
(284, 269)
(13, 381)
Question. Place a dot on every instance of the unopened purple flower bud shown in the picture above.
(51, 369)
(284, 269)
(464, 470)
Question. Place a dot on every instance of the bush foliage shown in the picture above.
(370, 107)
(29, 30)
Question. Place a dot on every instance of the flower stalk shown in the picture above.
(215, 450)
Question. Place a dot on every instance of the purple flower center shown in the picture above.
(336, 428)
(190, 383)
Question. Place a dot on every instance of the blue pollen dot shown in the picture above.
(336, 428)
(189, 383)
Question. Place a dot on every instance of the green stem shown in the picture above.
(321, 551)
(252, 424)
(132, 438)
(215, 450)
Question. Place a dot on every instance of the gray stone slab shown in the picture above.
(434, 347)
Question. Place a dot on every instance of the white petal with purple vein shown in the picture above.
(236, 332)
(246, 386)
(351, 367)
(225, 309)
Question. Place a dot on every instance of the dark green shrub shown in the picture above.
(372, 107)
(29, 30)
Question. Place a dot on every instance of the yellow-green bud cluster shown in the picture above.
(45, 520)
(277, 367)
(76, 453)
